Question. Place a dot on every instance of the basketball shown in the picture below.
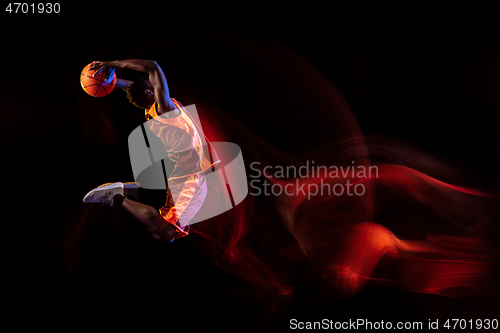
(96, 86)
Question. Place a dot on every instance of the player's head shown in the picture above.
(141, 93)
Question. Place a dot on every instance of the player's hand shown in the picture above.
(103, 67)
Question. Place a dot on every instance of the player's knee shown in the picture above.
(163, 238)
(166, 233)
(167, 239)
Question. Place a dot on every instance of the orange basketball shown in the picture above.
(96, 86)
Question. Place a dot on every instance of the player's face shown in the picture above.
(150, 95)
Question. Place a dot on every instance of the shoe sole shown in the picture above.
(95, 196)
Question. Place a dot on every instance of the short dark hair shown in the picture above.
(136, 94)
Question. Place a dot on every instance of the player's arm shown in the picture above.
(107, 71)
(156, 77)
(122, 84)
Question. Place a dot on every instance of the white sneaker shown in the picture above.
(104, 194)
(130, 189)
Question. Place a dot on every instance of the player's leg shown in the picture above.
(149, 217)
(113, 194)
(188, 194)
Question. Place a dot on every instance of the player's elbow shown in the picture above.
(154, 65)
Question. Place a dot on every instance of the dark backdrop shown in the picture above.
(432, 85)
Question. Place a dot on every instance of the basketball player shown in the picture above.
(187, 187)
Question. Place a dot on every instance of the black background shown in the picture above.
(427, 78)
